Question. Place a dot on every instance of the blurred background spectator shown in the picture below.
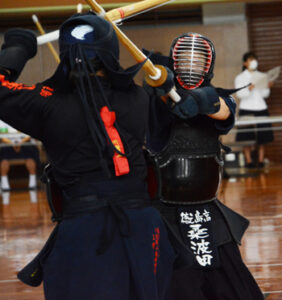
(252, 103)
(19, 147)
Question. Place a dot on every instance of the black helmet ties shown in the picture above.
(85, 91)
(193, 60)
(92, 103)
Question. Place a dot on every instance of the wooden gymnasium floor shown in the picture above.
(25, 225)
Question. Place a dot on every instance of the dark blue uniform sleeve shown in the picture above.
(21, 106)
(225, 126)
(160, 120)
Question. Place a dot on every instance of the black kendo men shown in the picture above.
(91, 118)
(183, 139)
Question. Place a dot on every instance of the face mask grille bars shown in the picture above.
(192, 57)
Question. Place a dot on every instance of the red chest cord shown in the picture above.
(120, 162)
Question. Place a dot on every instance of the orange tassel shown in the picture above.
(120, 162)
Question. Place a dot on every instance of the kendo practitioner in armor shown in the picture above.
(184, 146)
(90, 116)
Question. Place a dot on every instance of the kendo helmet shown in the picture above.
(193, 58)
(89, 36)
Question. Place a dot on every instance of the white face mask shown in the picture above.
(253, 65)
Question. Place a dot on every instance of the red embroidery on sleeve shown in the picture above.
(156, 248)
(46, 91)
(14, 86)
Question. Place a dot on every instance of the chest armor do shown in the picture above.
(189, 166)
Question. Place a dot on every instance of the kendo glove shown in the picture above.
(19, 46)
(204, 101)
(163, 89)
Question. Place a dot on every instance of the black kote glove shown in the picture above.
(162, 90)
(19, 46)
(203, 101)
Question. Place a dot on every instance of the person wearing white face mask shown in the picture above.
(252, 103)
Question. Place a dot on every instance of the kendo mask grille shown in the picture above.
(192, 56)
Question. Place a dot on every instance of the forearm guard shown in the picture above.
(203, 101)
